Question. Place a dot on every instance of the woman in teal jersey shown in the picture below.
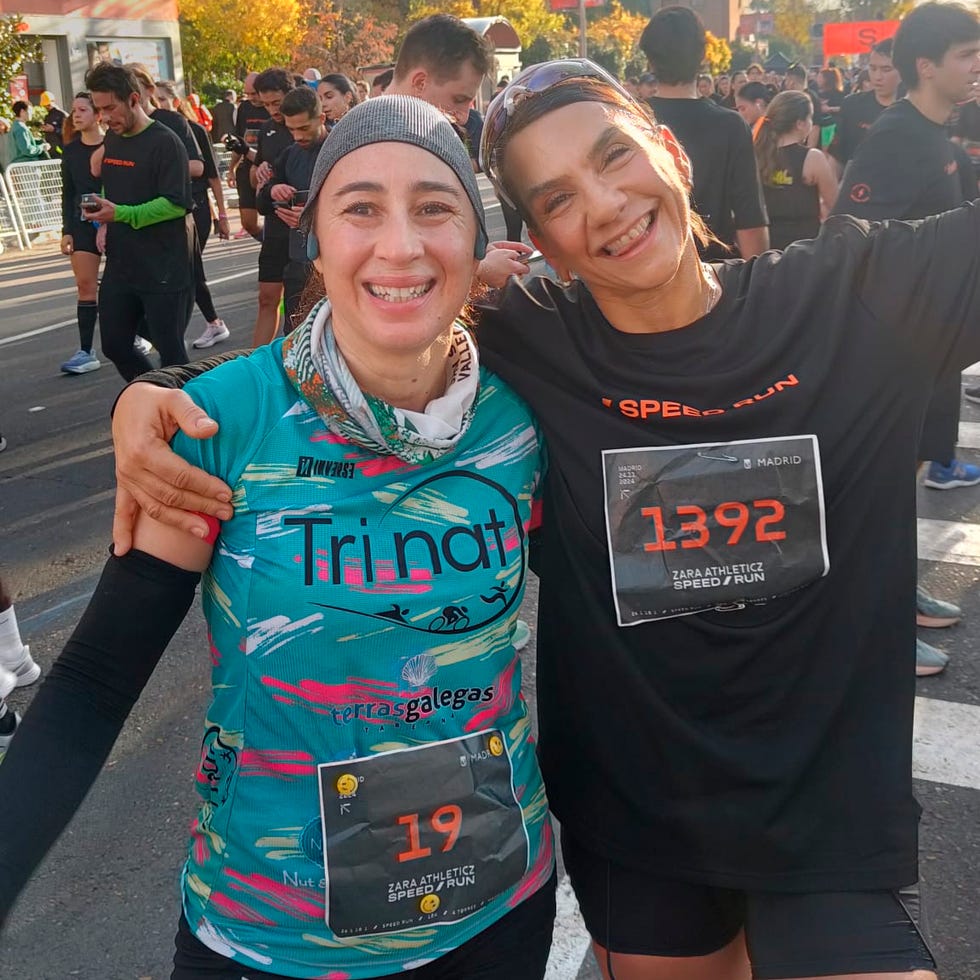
(371, 804)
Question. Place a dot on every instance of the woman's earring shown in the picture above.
(312, 247)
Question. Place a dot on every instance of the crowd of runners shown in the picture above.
(679, 429)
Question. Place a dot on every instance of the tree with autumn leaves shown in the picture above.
(222, 39)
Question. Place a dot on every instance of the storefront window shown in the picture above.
(154, 53)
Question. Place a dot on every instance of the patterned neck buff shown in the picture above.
(320, 374)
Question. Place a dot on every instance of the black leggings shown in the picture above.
(515, 947)
(124, 311)
(202, 292)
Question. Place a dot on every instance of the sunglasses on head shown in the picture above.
(530, 82)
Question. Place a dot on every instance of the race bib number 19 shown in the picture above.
(420, 837)
(698, 527)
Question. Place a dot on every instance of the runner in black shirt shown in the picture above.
(795, 81)
(272, 86)
(726, 190)
(174, 121)
(725, 695)
(906, 168)
(284, 194)
(252, 116)
(78, 239)
(860, 111)
(150, 239)
(216, 329)
(797, 180)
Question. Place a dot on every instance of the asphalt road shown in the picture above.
(104, 904)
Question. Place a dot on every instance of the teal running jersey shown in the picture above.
(370, 794)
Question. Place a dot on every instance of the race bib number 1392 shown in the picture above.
(696, 527)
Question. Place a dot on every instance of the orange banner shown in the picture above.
(856, 37)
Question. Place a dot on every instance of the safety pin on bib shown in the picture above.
(722, 459)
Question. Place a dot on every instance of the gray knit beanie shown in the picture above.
(398, 119)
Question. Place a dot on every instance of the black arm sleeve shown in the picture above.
(78, 712)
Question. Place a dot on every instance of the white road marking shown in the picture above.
(570, 941)
(70, 323)
(952, 541)
(969, 437)
(947, 742)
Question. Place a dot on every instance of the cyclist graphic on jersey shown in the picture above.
(452, 618)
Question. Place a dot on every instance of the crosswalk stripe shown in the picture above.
(947, 747)
(950, 541)
(570, 941)
(969, 437)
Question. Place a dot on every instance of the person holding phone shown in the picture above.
(79, 198)
(286, 191)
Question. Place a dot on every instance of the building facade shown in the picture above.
(721, 17)
(76, 34)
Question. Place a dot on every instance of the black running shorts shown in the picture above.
(273, 258)
(788, 935)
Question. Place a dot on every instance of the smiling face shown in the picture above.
(611, 208)
(400, 264)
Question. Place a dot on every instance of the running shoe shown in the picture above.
(933, 613)
(8, 682)
(81, 362)
(972, 394)
(7, 737)
(213, 334)
(142, 346)
(929, 660)
(957, 474)
(3, 444)
(522, 635)
(22, 666)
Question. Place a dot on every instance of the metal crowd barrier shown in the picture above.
(35, 188)
(30, 198)
(10, 226)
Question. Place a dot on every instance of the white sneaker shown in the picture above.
(8, 682)
(142, 346)
(23, 668)
(213, 333)
(522, 635)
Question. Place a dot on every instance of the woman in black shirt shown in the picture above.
(798, 183)
(78, 235)
(733, 771)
